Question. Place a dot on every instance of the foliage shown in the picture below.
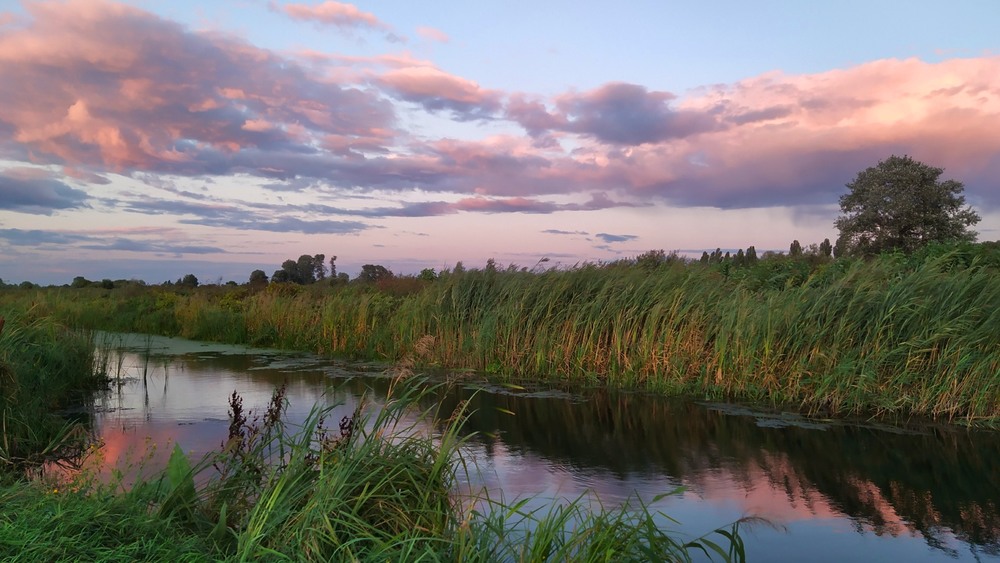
(373, 273)
(900, 204)
(258, 278)
(304, 271)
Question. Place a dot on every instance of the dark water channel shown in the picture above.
(838, 491)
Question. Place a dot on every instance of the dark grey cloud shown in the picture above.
(37, 192)
(132, 245)
(249, 222)
(616, 113)
(752, 116)
(609, 238)
(560, 232)
(35, 238)
(87, 240)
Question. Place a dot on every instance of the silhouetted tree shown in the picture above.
(751, 255)
(427, 274)
(319, 267)
(825, 248)
(305, 270)
(80, 281)
(371, 273)
(795, 249)
(189, 281)
(258, 278)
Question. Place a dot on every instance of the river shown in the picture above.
(834, 490)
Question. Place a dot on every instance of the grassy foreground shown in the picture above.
(896, 336)
(373, 489)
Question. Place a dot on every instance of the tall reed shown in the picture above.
(44, 369)
(898, 336)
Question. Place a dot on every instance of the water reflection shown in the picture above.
(844, 491)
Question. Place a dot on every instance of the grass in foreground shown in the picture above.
(374, 489)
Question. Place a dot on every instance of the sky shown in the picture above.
(151, 139)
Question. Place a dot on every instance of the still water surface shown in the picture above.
(837, 491)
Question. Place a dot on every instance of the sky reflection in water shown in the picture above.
(839, 491)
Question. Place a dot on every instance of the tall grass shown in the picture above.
(377, 489)
(897, 336)
(44, 369)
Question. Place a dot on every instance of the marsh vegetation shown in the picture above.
(895, 336)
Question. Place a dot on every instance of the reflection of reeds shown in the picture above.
(383, 491)
(934, 483)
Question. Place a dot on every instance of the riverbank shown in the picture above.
(892, 337)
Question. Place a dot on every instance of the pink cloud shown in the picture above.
(106, 85)
(780, 139)
(94, 86)
(436, 90)
(432, 34)
(334, 13)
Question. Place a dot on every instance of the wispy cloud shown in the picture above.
(346, 17)
(561, 232)
(610, 238)
(98, 240)
(432, 34)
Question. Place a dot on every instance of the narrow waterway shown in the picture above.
(835, 490)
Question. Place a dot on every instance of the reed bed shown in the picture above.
(45, 368)
(893, 336)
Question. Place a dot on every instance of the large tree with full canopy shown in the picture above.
(900, 204)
